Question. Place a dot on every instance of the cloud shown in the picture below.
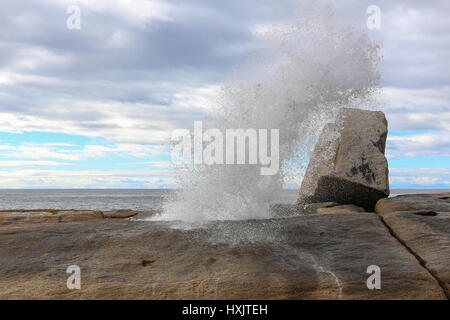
(137, 12)
(424, 177)
(31, 178)
(24, 163)
(416, 44)
(419, 145)
(58, 151)
(417, 109)
(137, 70)
(123, 122)
(157, 164)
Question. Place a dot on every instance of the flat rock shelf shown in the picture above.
(308, 256)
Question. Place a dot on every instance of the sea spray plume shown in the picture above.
(310, 71)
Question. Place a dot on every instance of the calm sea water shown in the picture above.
(111, 199)
(83, 199)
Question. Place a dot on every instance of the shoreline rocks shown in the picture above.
(290, 210)
(323, 256)
(414, 202)
(120, 214)
(348, 208)
(44, 216)
(13, 217)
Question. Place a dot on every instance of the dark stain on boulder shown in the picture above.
(380, 143)
(145, 263)
(364, 169)
(426, 213)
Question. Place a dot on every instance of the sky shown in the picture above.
(92, 107)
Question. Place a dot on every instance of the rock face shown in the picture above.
(120, 214)
(426, 234)
(348, 208)
(51, 216)
(348, 165)
(61, 216)
(322, 256)
(289, 210)
(313, 207)
(412, 202)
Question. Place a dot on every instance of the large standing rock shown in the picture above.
(348, 165)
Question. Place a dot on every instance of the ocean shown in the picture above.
(113, 199)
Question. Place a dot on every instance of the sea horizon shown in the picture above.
(126, 198)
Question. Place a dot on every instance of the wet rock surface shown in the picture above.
(320, 256)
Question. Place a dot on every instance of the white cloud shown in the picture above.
(416, 109)
(32, 57)
(84, 179)
(24, 163)
(121, 122)
(426, 177)
(419, 145)
(134, 11)
(58, 151)
(157, 164)
(10, 78)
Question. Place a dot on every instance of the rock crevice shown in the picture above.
(441, 282)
